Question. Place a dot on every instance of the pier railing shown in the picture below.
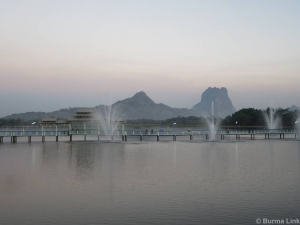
(139, 132)
(124, 135)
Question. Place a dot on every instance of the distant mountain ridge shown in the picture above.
(293, 108)
(29, 116)
(140, 106)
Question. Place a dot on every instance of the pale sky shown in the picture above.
(59, 54)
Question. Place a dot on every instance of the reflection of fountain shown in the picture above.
(272, 119)
(212, 123)
(236, 155)
(297, 125)
(108, 120)
(174, 156)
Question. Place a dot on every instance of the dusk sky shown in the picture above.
(60, 54)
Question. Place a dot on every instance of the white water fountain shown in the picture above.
(211, 123)
(272, 119)
(109, 121)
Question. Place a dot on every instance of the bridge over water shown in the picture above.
(134, 135)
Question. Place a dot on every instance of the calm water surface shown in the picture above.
(149, 182)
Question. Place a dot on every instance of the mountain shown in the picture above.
(30, 116)
(137, 107)
(222, 104)
(293, 108)
(141, 106)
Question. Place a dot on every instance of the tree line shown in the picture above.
(14, 122)
(248, 117)
(255, 117)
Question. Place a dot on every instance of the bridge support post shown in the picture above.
(14, 139)
(70, 137)
(29, 139)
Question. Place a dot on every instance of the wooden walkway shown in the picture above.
(146, 137)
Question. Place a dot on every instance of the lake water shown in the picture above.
(166, 182)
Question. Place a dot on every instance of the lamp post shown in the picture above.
(238, 132)
(174, 125)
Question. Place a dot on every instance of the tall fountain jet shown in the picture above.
(210, 120)
(272, 119)
(109, 121)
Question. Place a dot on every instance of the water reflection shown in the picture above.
(13, 170)
(85, 158)
(33, 158)
(92, 159)
(11, 183)
(81, 158)
(153, 182)
(49, 154)
(174, 156)
(236, 155)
